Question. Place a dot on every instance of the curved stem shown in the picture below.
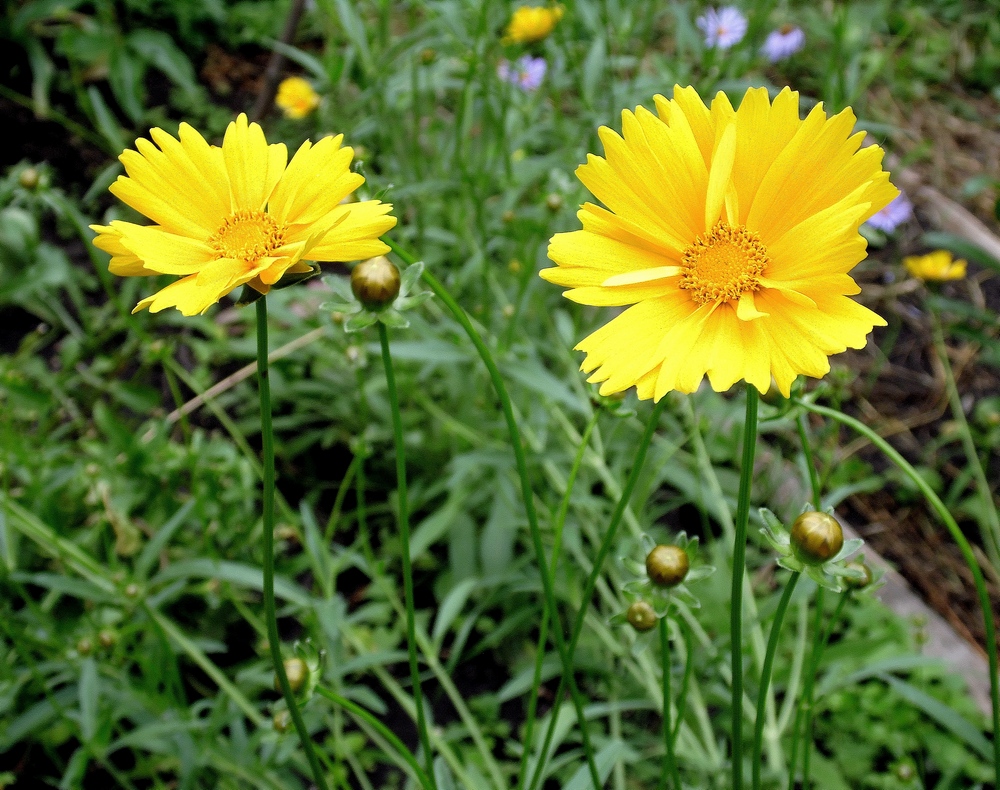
(964, 547)
(529, 501)
(736, 596)
(404, 537)
(669, 762)
(765, 675)
(270, 612)
(384, 731)
(529, 724)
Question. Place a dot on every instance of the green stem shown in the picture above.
(669, 762)
(964, 547)
(338, 503)
(736, 596)
(529, 501)
(765, 676)
(270, 612)
(991, 532)
(595, 572)
(384, 731)
(404, 536)
(688, 669)
(807, 453)
(560, 521)
(812, 671)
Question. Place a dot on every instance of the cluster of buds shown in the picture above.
(815, 546)
(661, 581)
(376, 292)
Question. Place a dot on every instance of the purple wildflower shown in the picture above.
(722, 28)
(783, 43)
(893, 215)
(526, 73)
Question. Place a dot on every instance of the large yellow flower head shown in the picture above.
(236, 215)
(731, 233)
(532, 23)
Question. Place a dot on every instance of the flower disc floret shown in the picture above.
(729, 234)
(236, 214)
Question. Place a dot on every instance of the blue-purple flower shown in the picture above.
(722, 28)
(893, 215)
(783, 43)
(526, 72)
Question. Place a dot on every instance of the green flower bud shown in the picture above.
(28, 178)
(667, 565)
(816, 538)
(85, 647)
(858, 583)
(107, 638)
(375, 282)
(298, 674)
(641, 616)
(553, 201)
(281, 721)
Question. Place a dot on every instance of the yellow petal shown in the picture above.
(253, 166)
(164, 252)
(719, 175)
(356, 237)
(124, 262)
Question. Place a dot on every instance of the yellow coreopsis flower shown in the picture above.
(937, 265)
(731, 233)
(532, 23)
(233, 215)
(296, 97)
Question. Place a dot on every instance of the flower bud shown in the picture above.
(553, 201)
(816, 537)
(281, 721)
(858, 583)
(85, 647)
(107, 638)
(375, 282)
(132, 590)
(28, 178)
(298, 674)
(641, 616)
(667, 566)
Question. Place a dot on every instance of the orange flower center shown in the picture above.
(247, 236)
(723, 264)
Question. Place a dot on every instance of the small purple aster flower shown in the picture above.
(722, 28)
(526, 73)
(783, 43)
(893, 215)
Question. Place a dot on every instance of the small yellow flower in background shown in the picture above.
(233, 215)
(731, 233)
(532, 23)
(937, 265)
(296, 97)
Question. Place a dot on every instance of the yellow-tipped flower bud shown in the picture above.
(298, 674)
(375, 282)
(667, 565)
(816, 538)
(641, 616)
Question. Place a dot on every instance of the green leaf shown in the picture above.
(106, 122)
(605, 759)
(151, 551)
(451, 607)
(89, 691)
(125, 75)
(159, 50)
(944, 715)
(359, 321)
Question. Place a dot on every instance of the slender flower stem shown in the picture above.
(686, 682)
(382, 730)
(805, 701)
(814, 484)
(765, 676)
(270, 611)
(669, 762)
(736, 596)
(813, 670)
(404, 537)
(963, 545)
(990, 533)
(529, 724)
(528, 497)
(595, 572)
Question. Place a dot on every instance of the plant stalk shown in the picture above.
(669, 761)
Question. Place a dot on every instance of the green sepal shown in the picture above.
(360, 320)
(248, 295)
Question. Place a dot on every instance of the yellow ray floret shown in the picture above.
(239, 214)
(731, 233)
